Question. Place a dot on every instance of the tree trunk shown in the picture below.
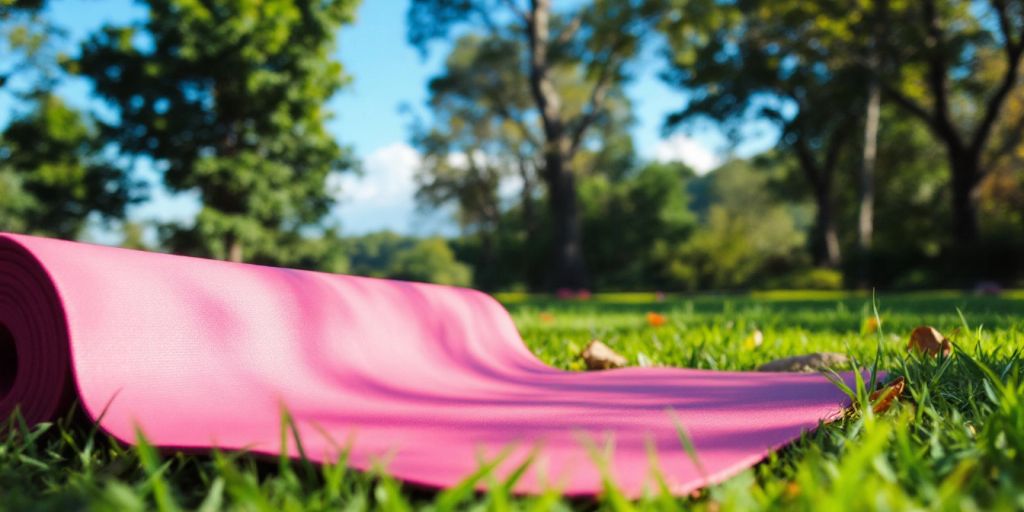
(866, 217)
(826, 240)
(965, 216)
(234, 247)
(526, 195)
(485, 271)
(569, 270)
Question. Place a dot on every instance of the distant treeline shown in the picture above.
(899, 164)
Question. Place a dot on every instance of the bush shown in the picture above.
(430, 260)
(394, 256)
(808, 279)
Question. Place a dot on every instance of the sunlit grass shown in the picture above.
(956, 440)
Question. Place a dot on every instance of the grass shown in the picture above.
(955, 441)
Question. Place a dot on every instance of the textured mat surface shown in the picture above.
(424, 379)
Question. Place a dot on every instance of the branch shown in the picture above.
(504, 112)
(806, 158)
(1011, 140)
(594, 105)
(937, 75)
(598, 93)
(904, 101)
(835, 145)
(994, 104)
(520, 13)
(543, 91)
(1006, 27)
(571, 30)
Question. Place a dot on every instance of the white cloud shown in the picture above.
(680, 148)
(384, 196)
(387, 176)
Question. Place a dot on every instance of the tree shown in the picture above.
(53, 174)
(430, 260)
(758, 59)
(227, 97)
(594, 42)
(479, 142)
(911, 207)
(877, 17)
(389, 255)
(938, 51)
(627, 219)
(745, 235)
(482, 151)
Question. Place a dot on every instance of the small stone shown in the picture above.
(807, 363)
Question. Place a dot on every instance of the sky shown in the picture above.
(372, 116)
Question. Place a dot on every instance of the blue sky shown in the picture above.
(387, 73)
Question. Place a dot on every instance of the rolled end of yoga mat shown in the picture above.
(35, 374)
(426, 382)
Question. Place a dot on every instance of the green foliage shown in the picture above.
(485, 140)
(807, 279)
(961, 83)
(386, 254)
(952, 442)
(228, 97)
(430, 260)
(763, 60)
(479, 142)
(626, 221)
(745, 235)
(31, 61)
(53, 174)
(568, 67)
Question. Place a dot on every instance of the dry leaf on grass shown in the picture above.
(883, 398)
(806, 363)
(928, 340)
(599, 356)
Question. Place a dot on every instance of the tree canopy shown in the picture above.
(54, 173)
(227, 98)
(592, 44)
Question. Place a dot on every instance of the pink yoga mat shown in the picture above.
(425, 380)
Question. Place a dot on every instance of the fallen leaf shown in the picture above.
(883, 398)
(753, 341)
(546, 317)
(656, 319)
(599, 356)
(806, 363)
(928, 340)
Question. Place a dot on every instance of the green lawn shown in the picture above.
(955, 441)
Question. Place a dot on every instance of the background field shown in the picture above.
(956, 440)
